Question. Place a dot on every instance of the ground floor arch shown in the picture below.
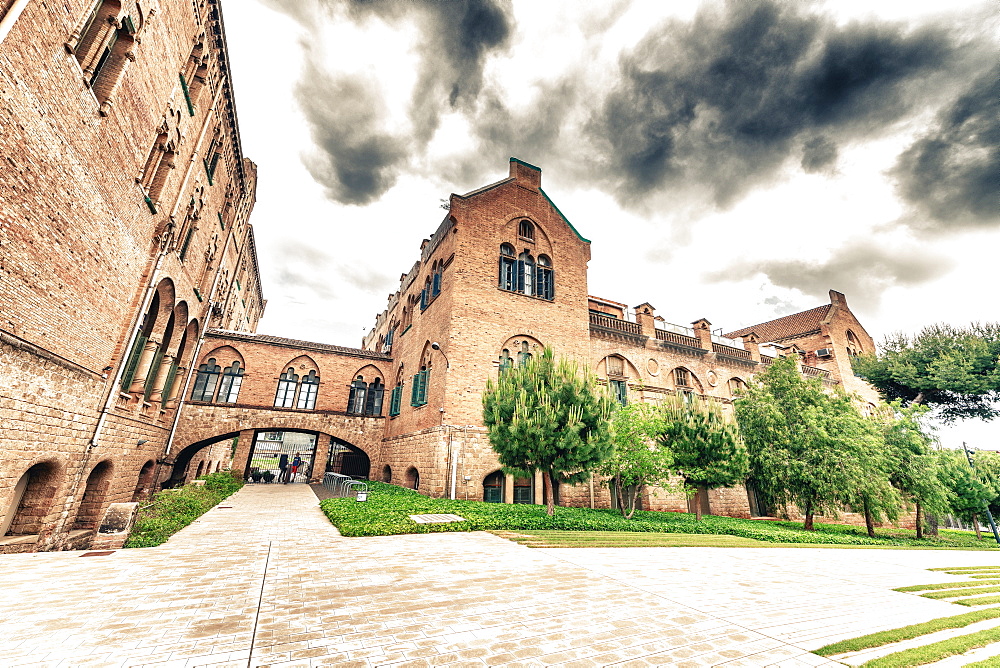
(33, 496)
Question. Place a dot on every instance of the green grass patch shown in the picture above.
(919, 656)
(982, 600)
(967, 591)
(907, 632)
(170, 511)
(627, 539)
(992, 662)
(949, 569)
(947, 585)
(387, 510)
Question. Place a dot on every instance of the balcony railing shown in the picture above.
(813, 371)
(679, 339)
(616, 324)
(731, 352)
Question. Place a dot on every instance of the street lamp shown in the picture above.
(437, 346)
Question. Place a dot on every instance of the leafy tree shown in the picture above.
(914, 465)
(547, 416)
(969, 492)
(953, 369)
(637, 459)
(806, 446)
(706, 447)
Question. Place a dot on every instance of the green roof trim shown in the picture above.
(561, 214)
(526, 164)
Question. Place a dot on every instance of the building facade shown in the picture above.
(124, 227)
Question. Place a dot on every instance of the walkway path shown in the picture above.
(268, 582)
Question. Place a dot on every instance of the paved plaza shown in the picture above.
(265, 580)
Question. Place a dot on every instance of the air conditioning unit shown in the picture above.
(824, 352)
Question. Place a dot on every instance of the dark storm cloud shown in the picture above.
(724, 100)
(863, 270)
(951, 175)
(356, 159)
(301, 266)
(456, 39)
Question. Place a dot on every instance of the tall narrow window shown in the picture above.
(395, 400)
(232, 380)
(544, 284)
(373, 404)
(682, 378)
(619, 390)
(288, 382)
(524, 354)
(356, 400)
(436, 279)
(309, 390)
(526, 273)
(508, 265)
(526, 230)
(506, 361)
(207, 379)
(418, 394)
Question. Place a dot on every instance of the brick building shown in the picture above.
(131, 296)
(502, 276)
(124, 207)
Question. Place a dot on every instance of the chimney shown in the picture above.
(703, 330)
(645, 315)
(750, 342)
(526, 174)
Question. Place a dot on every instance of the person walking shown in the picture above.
(296, 463)
(283, 465)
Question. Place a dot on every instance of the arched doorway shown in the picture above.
(412, 478)
(493, 487)
(386, 474)
(144, 485)
(349, 460)
(282, 456)
(33, 494)
(94, 494)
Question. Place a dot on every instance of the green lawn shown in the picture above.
(387, 510)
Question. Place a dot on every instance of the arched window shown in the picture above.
(544, 283)
(493, 487)
(506, 361)
(526, 273)
(853, 344)
(524, 354)
(436, 278)
(232, 380)
(288, 382)
(310, 388)
(208, 378)
(736, 387)
(617, 382)
(682, 377)
(356, 400)
(508, 265)
(526, 230)
(373, 404)
(425, 294)
(524, 490)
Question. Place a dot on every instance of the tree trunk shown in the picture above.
(975, 525)
(630, 493)
(697, 504)
(932, 524)
(917, 400)
(808, 524)
(920, 527)
(869, 522)
(547, 486)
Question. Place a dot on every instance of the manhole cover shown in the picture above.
(442, 518)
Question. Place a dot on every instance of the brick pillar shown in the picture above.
(243, 447)
(142, 368)
(108, 82)
(322, 453)
(85, 49)
(508, 488)
(645, 315)
(750, 344)
(703, 330)
(156, 394)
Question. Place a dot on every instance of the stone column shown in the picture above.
(320, 455)
(539, 489)
(142, 368)
(243, 448)
(106, 87)
(179, 378)
(508, 488)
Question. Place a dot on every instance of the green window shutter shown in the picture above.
(154, 371)
(396, 400)
(169, 385)
(187, 242)
(422, 399)
(415, 390)
(187, 94)
(221, 223)
(133, 361)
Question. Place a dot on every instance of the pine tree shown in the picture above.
(547, 415)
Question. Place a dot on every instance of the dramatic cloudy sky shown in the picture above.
(732, 161)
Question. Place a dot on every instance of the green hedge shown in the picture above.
(386, 512)
(170, 511)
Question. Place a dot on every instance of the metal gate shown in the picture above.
(274, 456)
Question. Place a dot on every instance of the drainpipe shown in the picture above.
(8, 20)
(197, 148)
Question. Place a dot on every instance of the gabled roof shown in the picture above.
(788, 327)
(295, 343)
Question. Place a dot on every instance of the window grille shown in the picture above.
(206, 381)
(308, 391)
(232, 380)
